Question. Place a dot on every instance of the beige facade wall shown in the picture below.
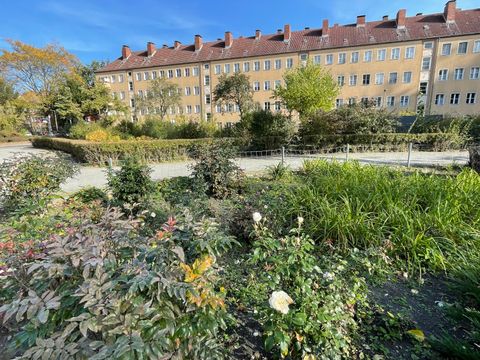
(402, 95)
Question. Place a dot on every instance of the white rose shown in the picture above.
(279, 300)
(328, 276)
(300, 220)
(152, 214)
(257, 217)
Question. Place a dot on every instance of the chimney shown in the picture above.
(126, 52)
(176, 44)
(150, 48)
(419, 14)
(360, 20)
(287, 33)
(401, 15)
(228, 39)
(198, 42)
(279, 31)
(165, 46)
(385, 18)
(325, 28)
(449, 12)
(258, 34)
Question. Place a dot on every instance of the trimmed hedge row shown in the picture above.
(98, 153)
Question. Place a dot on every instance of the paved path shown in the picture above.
(95, 176)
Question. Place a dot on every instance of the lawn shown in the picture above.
(334, 261)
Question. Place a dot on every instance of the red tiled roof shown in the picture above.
(376, 32)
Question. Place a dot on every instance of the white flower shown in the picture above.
(109, 195)
(300, 220)
(257, 217)
(279, 300)
(152, 214)
(265, 206)
(440, 303)
(414, 291)
(256, 333)
(328, 276)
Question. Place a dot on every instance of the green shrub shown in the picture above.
(103, 291)
(131, 184)
(467, 127)
(194, 130)
(157, 129)
(82, 128)
(27, 180)
(89, 194)
(214, 170)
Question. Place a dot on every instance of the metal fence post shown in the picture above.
(110, 163)
(283, 155)
(347, 152)
(410, 146)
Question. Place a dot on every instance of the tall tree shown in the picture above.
(307, 89)
(234, 89)
(160, 96)
(7, 92)
(87, 72)
(36, 69)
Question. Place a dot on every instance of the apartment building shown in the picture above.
(430, 60)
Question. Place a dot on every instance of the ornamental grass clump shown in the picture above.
(104, 291)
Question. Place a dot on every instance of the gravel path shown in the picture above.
(95, 176)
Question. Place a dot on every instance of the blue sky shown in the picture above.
(96, 29)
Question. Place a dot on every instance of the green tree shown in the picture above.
(7, 92)
(307, 89)
(234, 89)
(87, 72)
(159, 96)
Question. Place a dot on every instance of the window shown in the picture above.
(226, 68)
(329, 59)
(378, 101)
(289, 63)
(187, 72)
(113, 79)
(122, 95)
(217, 69)
(206, 66)
(188, 109)
(395, 54)
(196, 90)
(230, 108)
(278, 64)
(218, 108)
(379, 78)
(476, 46)
(439, 99)
(208, 99)
(236, 68)
(366, 79)
(114, 95)
(138, 76)
(367, 56)
(404, 100)
(188, 91)
(161, 73)
(341, 80)
(426, 62)
(392, 79)
(316, 59)
(338, 102)
(266, 105)
(454, 99)
(278, 83)
(246, 67)
(256, 66)
(407, 77)
(474, 73)
(354, 57)
(197, 109)
(381, 54)
(266, 65)
(266, 85)
(206, 80)
(352, 101)
(178, 72)
(462, 47)
(303, 57)
(342, 58)
(278, 105)
(428, 45)
(130, 85)
(195, 71)
(256, 86)
(391, 101)
(459, 74)
(446, 49)
(170, 74)
(364, 101)
(140, 93)
(353, 80)
(471, 98)
(132, 103)
(443, 75)
(154, 74)
(410, 52)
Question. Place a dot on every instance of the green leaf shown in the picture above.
(300, 319)
(269, 343)
(42, 315)
(417, 334)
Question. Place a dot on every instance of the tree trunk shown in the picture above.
(475, 158)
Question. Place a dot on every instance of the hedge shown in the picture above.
(98, 153)
(475, 158)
